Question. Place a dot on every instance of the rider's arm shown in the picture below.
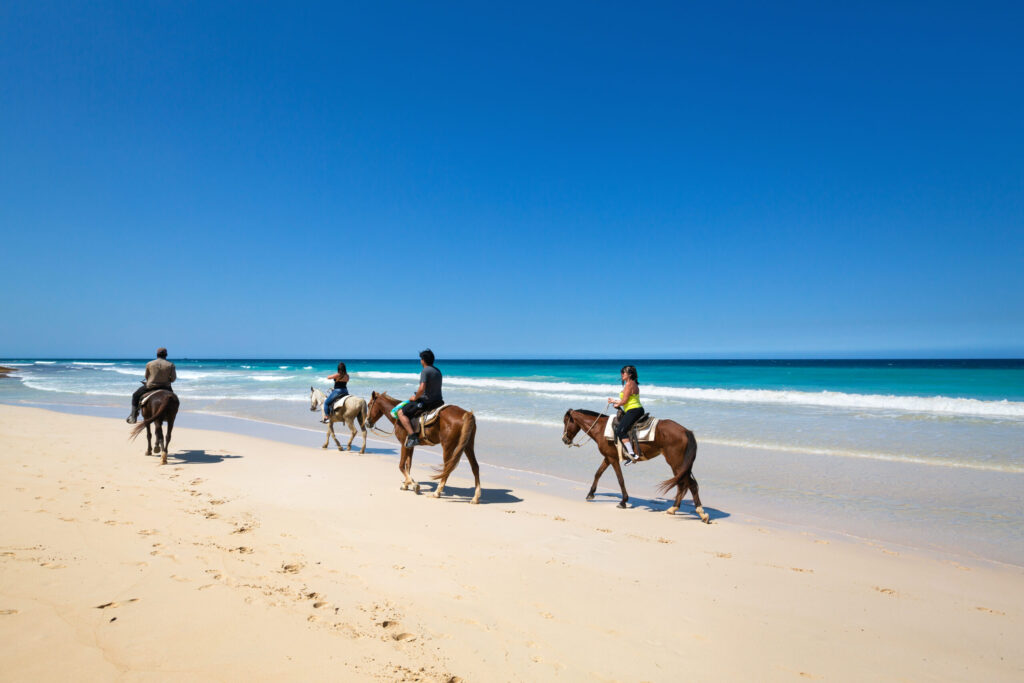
(419, 391)
(174, 375)
(628, 390)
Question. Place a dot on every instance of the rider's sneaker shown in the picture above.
(412, 441)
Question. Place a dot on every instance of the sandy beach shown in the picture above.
(248, 559)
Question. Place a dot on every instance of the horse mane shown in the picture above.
(589, 413)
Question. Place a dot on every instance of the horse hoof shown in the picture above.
(403, 487)
(590, 496)
(340, 448)
(474, 502)
(416, 488)
(703, 516)
(435, 495)
(621, 505)
(671, 511)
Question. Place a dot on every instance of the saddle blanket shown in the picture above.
(145, 397)
(645, 429)
(340, 402)
(421, 422)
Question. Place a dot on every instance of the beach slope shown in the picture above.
(251, 559)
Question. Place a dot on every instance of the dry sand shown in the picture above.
(245, 559)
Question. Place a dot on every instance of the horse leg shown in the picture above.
(362, 426)
(622, 483)
(405, 465)
(160, 442)
(352, 427)
(327, 436)
(167, 444)
(334, 434)
(149, 441)
(597, 475)
(476, 472)
(696, 501)
(446, 455)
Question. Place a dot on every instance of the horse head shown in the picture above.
(316, 398)
(375, 409)
(571, 428)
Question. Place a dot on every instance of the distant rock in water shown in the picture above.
(4, 371)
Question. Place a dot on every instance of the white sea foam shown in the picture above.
(127, 371)
(271, 378)
(373, 374)
(827, 399)
(307, 367)
(89, 362)
(283, 367)
(38, 362)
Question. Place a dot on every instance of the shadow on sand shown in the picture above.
(661, 504)
(464, 494)
(196, 457)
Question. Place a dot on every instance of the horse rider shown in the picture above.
(159, 375)
(629, 402)
(427, 396)
(340, 389)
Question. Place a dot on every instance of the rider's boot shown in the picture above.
(626, 450)
(412, 440)
(134, 417)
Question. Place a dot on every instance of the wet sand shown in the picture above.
(257, 559)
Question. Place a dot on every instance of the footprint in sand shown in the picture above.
(52, 565)
(604, 531)
(404, 637)
(181, 579)
(148, 532)
(990, 611)
(8, 612)
(242, 549)
(112, 605)
(210, 514)
(293, 568)
(886, 591)
(195, 482)
(662, 539)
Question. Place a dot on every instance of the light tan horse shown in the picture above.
(347, 409)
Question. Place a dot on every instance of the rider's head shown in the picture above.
(630, 373)
(341, 368)
(427, 356)
(161, 352)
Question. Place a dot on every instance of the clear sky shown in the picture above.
(328, 180)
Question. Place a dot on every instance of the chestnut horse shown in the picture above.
(455, 430)
(675, 441)
(161, 407)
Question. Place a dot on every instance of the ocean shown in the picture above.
(933, 447)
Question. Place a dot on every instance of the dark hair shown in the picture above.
(427, 356)
(341, 368)
(161, 352)
(630, 371)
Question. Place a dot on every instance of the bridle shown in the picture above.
(374, 426)
(586, 433)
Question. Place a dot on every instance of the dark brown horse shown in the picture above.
(161, 407)
(455, 430)
(672, 440)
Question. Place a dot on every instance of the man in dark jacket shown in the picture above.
(159, 375)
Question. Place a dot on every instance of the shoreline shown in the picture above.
(751, 510)
(245, 557)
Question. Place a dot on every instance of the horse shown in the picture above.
(347, 411)
(455, 430)
(675, 441)
(161, 407)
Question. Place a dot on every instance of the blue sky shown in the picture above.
(553, 179)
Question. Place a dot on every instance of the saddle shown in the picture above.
(149, 394)
(643, 430)
(340, 402)
(422, 421)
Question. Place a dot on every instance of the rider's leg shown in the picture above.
(412, 439)
(329, 402)
(136, 397)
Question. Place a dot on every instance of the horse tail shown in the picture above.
(137, 429)
(689, 455)
(364, 416)
(465, 437)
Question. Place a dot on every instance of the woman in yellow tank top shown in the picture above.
(629, 402)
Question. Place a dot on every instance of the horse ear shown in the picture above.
(311, 389)
(373, 394)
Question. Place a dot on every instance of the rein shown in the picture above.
(587, 433)
(374, 426)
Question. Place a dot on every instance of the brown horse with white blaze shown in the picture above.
(672, 440)
(454, 430)
(162, 406)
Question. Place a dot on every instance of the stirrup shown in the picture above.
(412, 440)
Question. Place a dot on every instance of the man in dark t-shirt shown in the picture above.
(427, 396)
